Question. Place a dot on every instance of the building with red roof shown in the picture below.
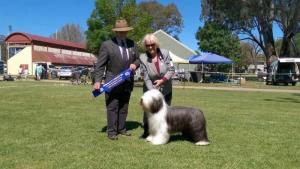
(28, 50)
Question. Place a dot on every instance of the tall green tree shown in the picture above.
(3, 55)
(69, 32)
(166, 18)
(250, 54)
(103, 18)
(215, 38)
(255, 19)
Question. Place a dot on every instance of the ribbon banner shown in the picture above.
(120, 78)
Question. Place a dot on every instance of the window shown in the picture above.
(14, 50)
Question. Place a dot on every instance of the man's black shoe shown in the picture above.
(113, 137)
(125, 133)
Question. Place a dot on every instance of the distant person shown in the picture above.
(20, 72)
(25, 73)
(84, 75)
(76, 76)
(92, 73)
(39, 71)
(158, 69)
(116, 55)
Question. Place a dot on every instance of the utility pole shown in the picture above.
(10, 29)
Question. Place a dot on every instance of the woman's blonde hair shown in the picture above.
(150, 38)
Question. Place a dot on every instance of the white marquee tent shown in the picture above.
(177, 59)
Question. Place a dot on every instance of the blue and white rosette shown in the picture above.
(113, 82)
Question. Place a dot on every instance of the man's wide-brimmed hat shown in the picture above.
(121, 26)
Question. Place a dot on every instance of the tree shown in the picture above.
(3, 55)
(166, 18)
(216, 38)
(255, 19)
(288, 17)
(2, 39)
(294, 47)
(250, 54)
(69, 32)
(103, 18)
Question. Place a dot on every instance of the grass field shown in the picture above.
(51, 125)
(248, 84)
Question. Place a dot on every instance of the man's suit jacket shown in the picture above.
(110, 62)
(150, 72)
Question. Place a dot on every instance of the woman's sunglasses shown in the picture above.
(148, 45)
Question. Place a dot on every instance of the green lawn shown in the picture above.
(51, 125)
(248, 84)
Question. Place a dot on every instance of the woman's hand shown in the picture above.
(158, 83)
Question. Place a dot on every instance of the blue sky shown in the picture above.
(44, 17)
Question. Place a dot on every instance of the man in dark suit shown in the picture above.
(115, 56)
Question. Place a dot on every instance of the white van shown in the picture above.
(284, 70)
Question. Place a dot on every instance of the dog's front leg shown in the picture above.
(160, 139)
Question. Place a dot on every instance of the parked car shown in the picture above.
(261, 75)
(2, 67)
(284, 70)
(65, 72)
(3, 72)
(53, 70)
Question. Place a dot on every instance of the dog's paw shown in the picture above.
(149, 138)
(156, 143)
(159, 141)
(202, 143)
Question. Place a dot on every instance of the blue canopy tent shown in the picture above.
(209, 58)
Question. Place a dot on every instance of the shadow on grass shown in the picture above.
(130, 125)
(296, 94)
(284, 99)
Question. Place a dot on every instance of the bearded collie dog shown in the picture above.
(164, 120)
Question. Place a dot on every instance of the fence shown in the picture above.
(234, 78)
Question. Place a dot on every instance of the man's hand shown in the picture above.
(132, 67)
(97, 85)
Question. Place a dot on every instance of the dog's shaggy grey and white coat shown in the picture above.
(164, 120)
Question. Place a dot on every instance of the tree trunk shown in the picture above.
(267, 33)
(266, 17)
(290, 20)
(269, 52)
(285, 47)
